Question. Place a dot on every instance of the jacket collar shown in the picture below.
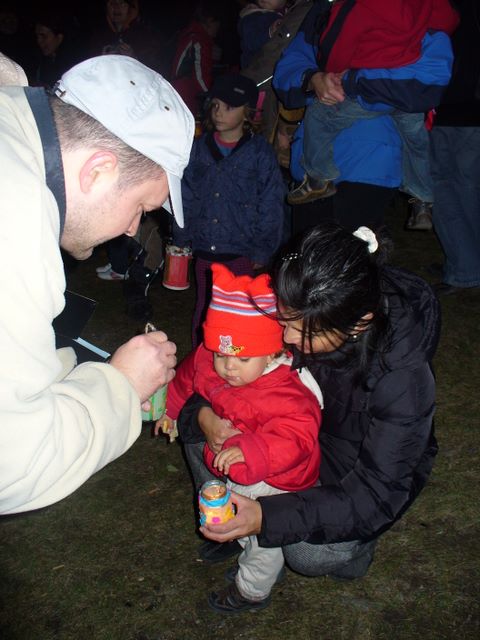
(215, 151)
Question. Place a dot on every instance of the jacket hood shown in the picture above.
(414, 318)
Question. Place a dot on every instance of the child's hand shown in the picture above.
(159, 424)
(166, 425)
(226, 458)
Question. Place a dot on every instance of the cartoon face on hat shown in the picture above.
(235, 90)
(138, 106)
(240, 319)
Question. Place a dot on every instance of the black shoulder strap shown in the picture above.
(38, 101)
(327, 43)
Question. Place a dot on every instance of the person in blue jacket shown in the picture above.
(327, 116)
(233, 192)
(369, 151)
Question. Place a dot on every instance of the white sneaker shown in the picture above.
(110, 275)
(104, 269)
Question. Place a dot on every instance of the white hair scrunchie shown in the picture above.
(367, 235)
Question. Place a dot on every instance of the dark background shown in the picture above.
(164, 15)
(164, 18)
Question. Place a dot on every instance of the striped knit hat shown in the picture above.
(234, 325)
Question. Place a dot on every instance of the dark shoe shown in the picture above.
(310, 190)
(213, 552)
(420, 218)
(230, 574)
(230, 600)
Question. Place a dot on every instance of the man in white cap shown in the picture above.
(78, 169)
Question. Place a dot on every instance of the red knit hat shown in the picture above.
(234, 325)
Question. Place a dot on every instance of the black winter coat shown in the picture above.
(377, 438)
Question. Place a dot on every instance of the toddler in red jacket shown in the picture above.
(242, 370)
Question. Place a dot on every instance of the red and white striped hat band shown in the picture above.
(237, 322)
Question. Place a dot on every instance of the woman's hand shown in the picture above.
(247, 522)
(327, 87)
(215, 429)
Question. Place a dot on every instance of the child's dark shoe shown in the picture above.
(230, 600)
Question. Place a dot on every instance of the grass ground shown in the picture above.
(117, 560)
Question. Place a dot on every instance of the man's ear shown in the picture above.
(101, 166)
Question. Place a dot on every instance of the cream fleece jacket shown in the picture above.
(59, 424)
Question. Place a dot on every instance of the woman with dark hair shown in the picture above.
(59, 47)
(367, 332)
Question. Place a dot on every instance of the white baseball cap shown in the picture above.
(140, 107)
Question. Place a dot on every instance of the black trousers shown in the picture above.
(354, 205)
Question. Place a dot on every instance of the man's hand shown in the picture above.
(247, 522)
(148, 361)
(226, 458)
(215, 429)
(327, 87)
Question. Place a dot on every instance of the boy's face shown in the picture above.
(227, 120)
(239, 371)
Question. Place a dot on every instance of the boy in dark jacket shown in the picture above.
(232, 191)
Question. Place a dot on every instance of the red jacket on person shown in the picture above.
(192, 65)
(385, 33)
(279, 418)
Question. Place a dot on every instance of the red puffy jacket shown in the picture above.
(278, 416)
(385, 33)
